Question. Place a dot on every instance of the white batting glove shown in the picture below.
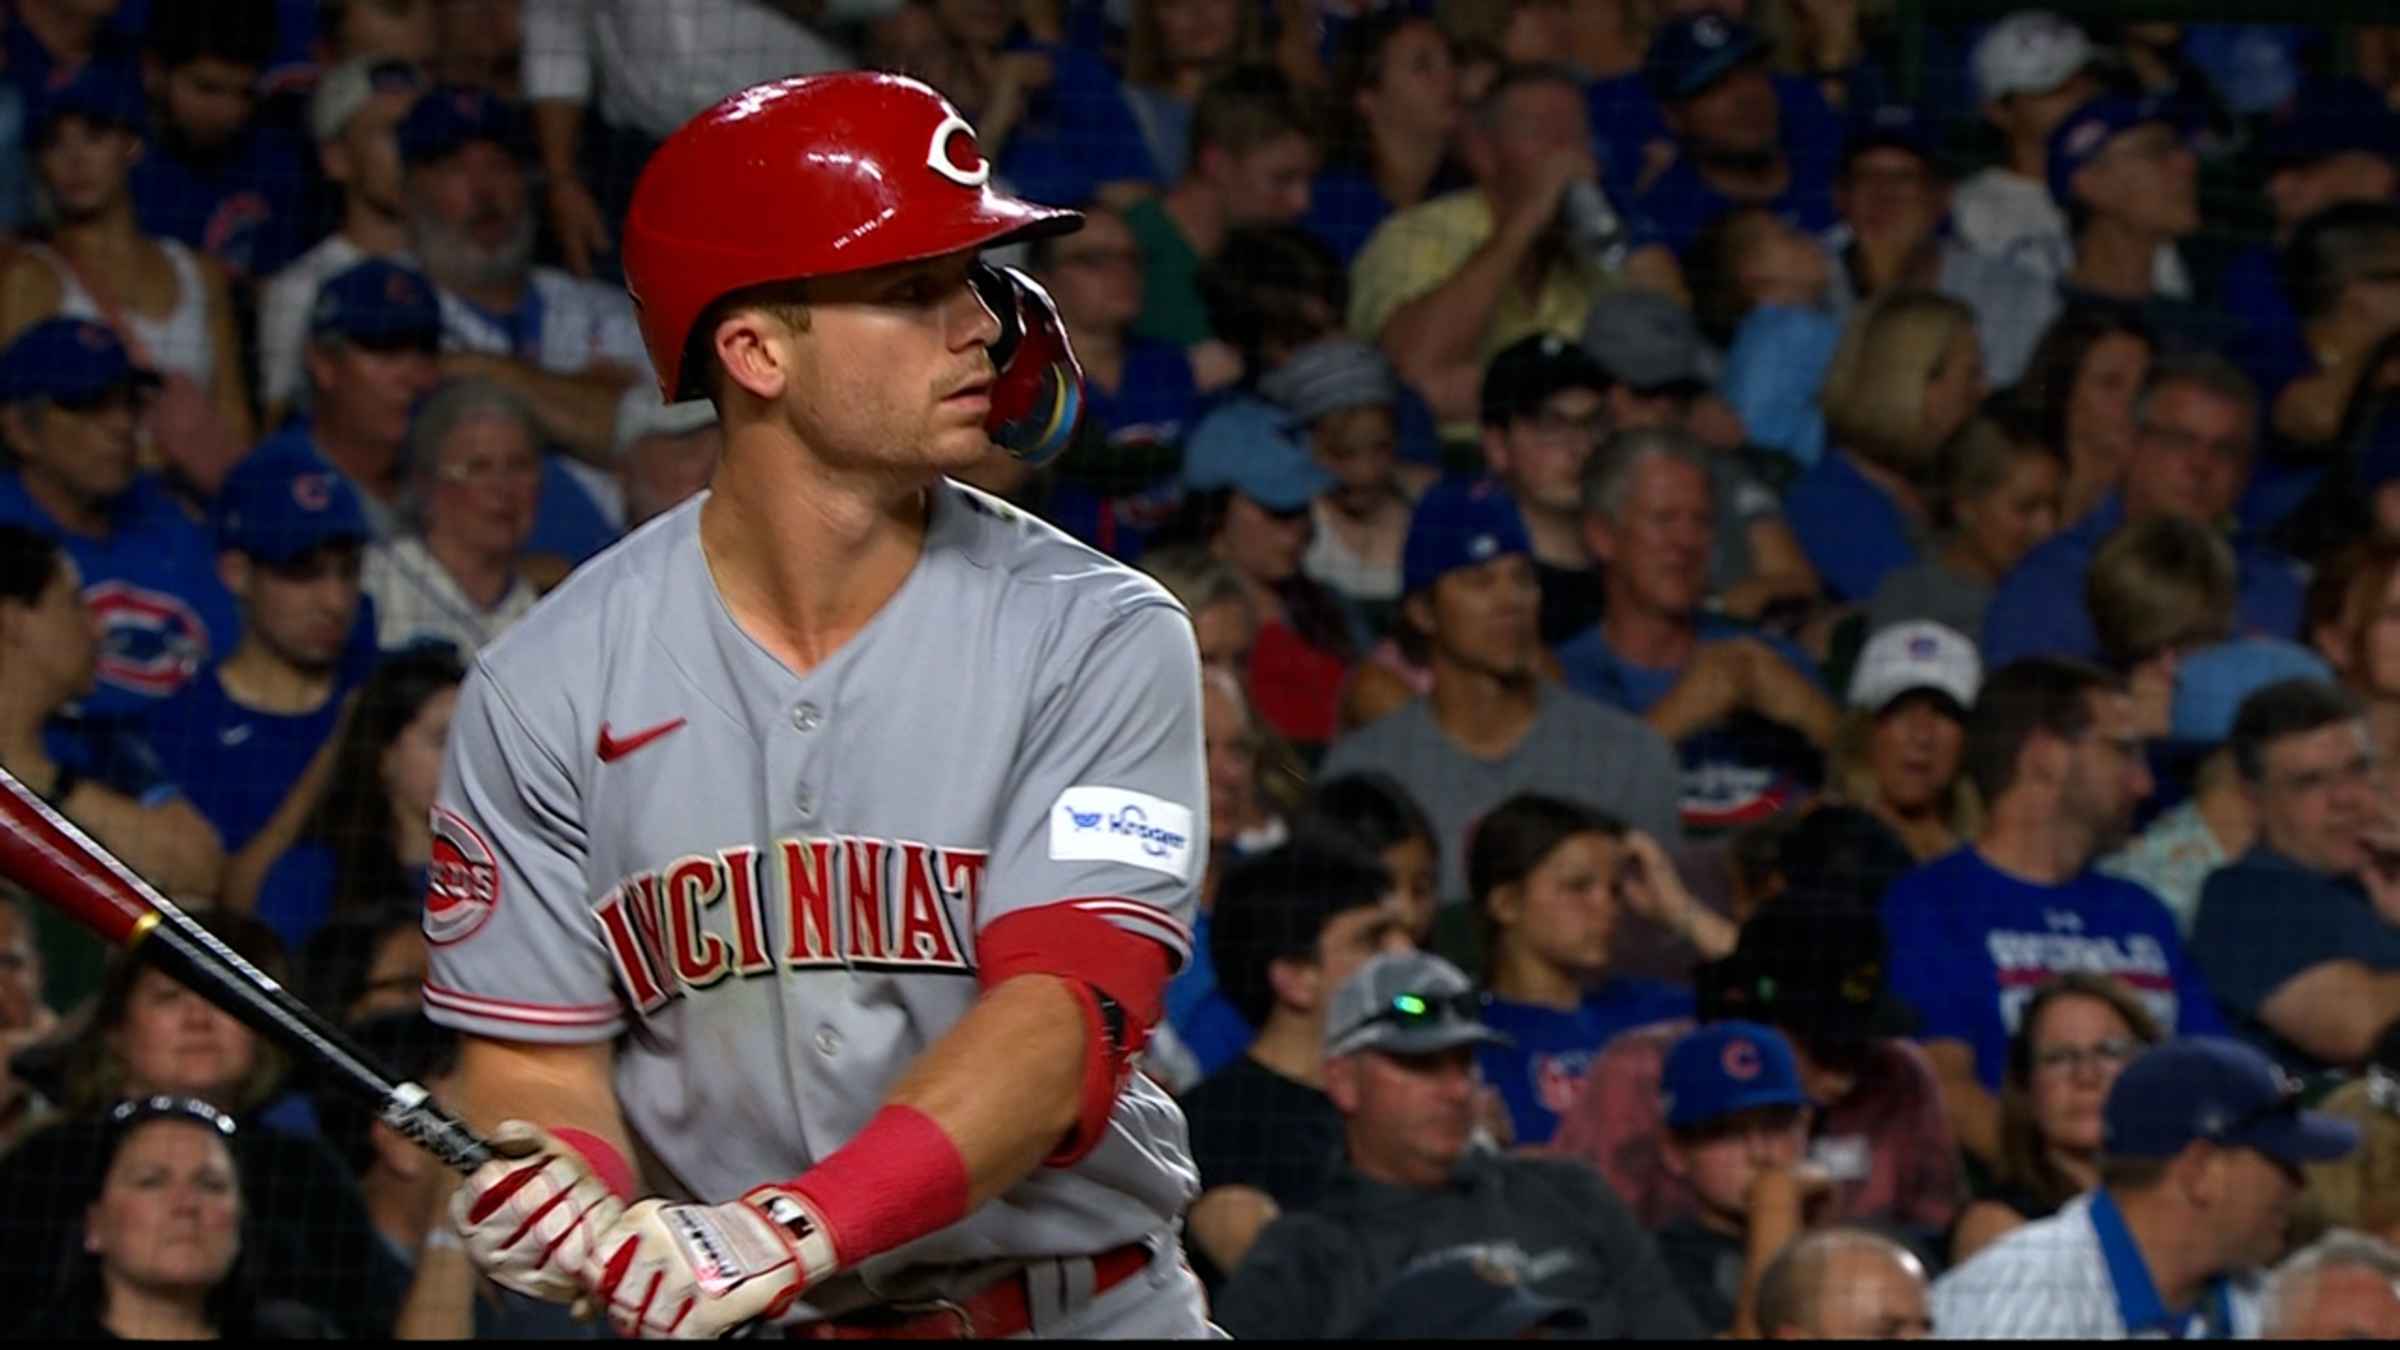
(529, 1215)
(695, 1272)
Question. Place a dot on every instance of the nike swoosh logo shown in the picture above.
(232, 736)
(615, 748)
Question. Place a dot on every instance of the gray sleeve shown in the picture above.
(1651, 1304)
(1107, 809)
(513, 951)
(1289, 1286)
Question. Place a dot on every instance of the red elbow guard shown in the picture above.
(1119, 981)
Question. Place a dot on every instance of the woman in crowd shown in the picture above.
(1999, 497)
(1223, 619)
(1396, 103)
(2076, 1033)
(161, 1252)
(1372, 809)
(2082, 382)
(102, 777)
(371, 837)
(459, 575)
(146, 1035)
(1121, 480)
(1551, 881)
(1907, 375)
(1897, 750)
(1173, 49)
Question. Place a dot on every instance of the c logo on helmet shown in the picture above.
(937, 154)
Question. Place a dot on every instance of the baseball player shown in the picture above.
(809, 867)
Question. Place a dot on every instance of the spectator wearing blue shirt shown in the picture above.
(2300, 936)
(2195, 425)
(213, 178)
(1118, 485)
(2342, 274)
(1397, 102)
(1732, 146)
(2053, 749)
(1744, 711)
(1552, 882)
(251, 740)
(71, 404)
(567, 346)
(2124, 172)
(2335, 144)
(1907, 375)
(97, 774)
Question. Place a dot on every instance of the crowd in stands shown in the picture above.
(1799, 607)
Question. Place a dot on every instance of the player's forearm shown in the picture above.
(1002, 1083)
(550, 1085)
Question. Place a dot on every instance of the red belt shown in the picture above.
(1003, 1310)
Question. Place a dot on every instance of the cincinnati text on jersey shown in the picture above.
(850, 901)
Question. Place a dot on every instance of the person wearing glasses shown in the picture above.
(459, 576)
(161, 1254)
(1544, 410)
(1414, 1186)
(2206, 1140)
(2078, 1033)
(251, 740)
(2300, 936)
(2193, 441)
(73, 406)
(2054, 750)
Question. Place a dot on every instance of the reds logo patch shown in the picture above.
(938, 154)
(462, 882)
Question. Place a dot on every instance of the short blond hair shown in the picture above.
(2160, 585)
(2362, 1190)
(1874, 393)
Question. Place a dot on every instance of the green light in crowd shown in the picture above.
(1409, 1003)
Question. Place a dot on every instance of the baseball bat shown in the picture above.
(45, 853)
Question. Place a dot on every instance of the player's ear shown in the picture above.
(753, 350)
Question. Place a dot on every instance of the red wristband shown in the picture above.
(599, 1155)
(900, 1179)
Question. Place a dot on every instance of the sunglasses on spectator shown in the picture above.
(137, 1110)
(1411, 1011)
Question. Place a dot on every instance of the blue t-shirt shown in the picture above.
(1203, 1018)
(1854, 534)
(1679, 203)
(248, 209)
(2264, 919)
(237, 764)
(2038, 608)
(1108, 504)
(1539, 1075)
(114, 754)
(1737, 772)
(1971, 944)
(152, 587)
(1077, 134)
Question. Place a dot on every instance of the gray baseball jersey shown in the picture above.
(771, 885)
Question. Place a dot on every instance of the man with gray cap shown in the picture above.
(2203, 1141)
(1400, 1038)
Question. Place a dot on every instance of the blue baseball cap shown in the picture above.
(2216, 1090)
(1690, 52)
(279, 504)
(2210, 684)
(67, 361)
(1892, 126)
(449, 116)
(1248, 446)
(1725, 1068)
(1459, 523)
(99, 95)
(2085, 132)
(377, 303)
(2334, 118)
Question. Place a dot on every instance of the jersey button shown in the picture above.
(806, 717)
(807, 800)
(828, 1041)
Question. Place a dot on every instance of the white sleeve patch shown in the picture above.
(1108, 824)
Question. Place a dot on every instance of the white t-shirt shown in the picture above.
(2006, 214)
(657, 62)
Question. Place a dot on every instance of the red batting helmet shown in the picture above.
(801, 178)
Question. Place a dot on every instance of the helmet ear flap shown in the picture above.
(1037, 389)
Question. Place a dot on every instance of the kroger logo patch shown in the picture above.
(1106, 824)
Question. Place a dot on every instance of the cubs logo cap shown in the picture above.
(1725, 1068)
(1690, 52)
(2086, 132)
(1459, 523)
(2217, 1090)
(377, 303)
(283, 502)
(73, 361)
(449, 117)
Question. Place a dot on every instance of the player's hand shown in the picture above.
(581, 226)
(530, 1214)
(696, 1272)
